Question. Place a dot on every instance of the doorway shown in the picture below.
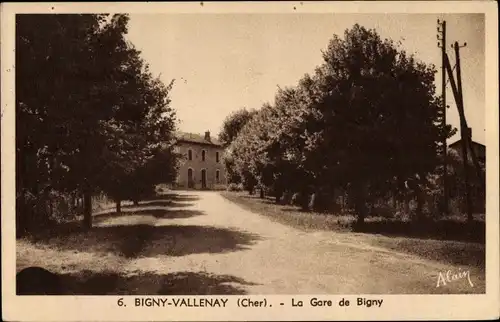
(190, 178)
(203, 179)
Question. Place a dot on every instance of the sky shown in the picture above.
(224, 62)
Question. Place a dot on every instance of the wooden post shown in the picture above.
(464, 130)
(465, 136)
(87, 209)
(87, 205)
(443, 89)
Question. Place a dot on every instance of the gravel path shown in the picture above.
(209, 243)
(283, 260)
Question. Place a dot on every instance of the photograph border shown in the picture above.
(105, 308)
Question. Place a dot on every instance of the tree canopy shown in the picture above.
(89, 113)
(233, 124)
(367, 120)
(231, 127)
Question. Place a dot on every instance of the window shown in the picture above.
(217, 157)
(190, 154)
(217, 176)
(203, 155)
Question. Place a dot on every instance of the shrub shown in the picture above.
(235, 187)
(382, 209)
(321, 201)
(316, 203)
(301, 200)
(295, 199)
(287, 198)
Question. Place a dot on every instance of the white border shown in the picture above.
(99, 308)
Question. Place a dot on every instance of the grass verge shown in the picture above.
(449, 241)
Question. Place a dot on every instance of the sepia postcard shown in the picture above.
(223, 161)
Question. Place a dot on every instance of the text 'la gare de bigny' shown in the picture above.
(201, 302)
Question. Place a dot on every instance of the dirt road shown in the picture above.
(200, 243)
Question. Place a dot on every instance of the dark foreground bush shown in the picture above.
(433, 229)
(37, 281)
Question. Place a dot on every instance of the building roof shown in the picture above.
(460, 140)
(197, 139)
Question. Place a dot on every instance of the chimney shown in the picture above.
(207, 135)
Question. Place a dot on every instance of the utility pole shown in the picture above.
(465, 134)
(442, 44)
(464, 129)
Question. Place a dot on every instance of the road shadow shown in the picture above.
(111, 283)
(158, 213)
(171, 196)
(159, 203)
(152, 202)
(145, 240)
(293, 209)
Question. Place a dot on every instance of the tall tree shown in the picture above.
(379, 115)
(87, 107)
(233, 124)
(231, 127)
(367, 121)
(55, 119)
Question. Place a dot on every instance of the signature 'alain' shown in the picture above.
(450, 276)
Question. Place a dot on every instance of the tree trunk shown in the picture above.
(304, 200)
(51, 207)
(419, 210)
(73, 201)
(407, 200)
(87, 208)
(118, 206)
(360, 203)
(331, 200)
(21, 214)
(262, 195)
(136, 203)
(420, 204)
(278, 196)
(314, 202)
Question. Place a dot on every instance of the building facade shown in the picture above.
(201, 165)
(477, 187)
(479, 149)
